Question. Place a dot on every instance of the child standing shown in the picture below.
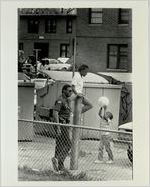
(105, 138)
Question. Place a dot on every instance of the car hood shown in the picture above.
(126, 126)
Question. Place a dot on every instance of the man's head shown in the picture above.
(83, 70)
(67, 90)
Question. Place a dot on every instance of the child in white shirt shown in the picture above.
(105, 138)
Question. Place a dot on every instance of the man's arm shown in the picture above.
(56, 116)
(56, 110)
(74, 83)
(75, 92)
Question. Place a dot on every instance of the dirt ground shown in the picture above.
(35, 162)
(27, 174)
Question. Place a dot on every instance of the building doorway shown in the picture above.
(43, 49)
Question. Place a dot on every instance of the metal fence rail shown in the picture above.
(36, 147)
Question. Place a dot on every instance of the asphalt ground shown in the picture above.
(34, 162)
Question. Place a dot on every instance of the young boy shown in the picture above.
(105, 122)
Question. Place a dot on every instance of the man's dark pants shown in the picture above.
(63, 144)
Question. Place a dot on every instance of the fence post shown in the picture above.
(75, 135)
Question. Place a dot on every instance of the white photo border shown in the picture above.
(9, 110)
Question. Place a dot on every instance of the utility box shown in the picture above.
(95, 86)
(25, 110)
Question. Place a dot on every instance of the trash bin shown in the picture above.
(25, 110)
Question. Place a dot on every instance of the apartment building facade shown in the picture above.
(103, 36)
(49, 30)
(104, 39)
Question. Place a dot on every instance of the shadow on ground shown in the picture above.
(27, 174)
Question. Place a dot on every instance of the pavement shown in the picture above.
(38, 153)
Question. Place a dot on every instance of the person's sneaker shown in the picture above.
(55, 163)
(109, 161)
(99, 161)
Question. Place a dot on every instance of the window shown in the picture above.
(123, 16)
(64, 50)
(50, 26)
(21, 46)
(68, 25)
(95, 16)
(117, 56)
(33, 26)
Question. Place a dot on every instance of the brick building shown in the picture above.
(104, 39)
(50, 30)
(103, 36)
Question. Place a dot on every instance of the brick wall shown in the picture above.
(109, 27)
(93, 39)
(54, 39)
(93, 51)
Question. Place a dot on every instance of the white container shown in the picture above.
(93, 89)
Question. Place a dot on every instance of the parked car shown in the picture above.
(127, 138)
(53, 64)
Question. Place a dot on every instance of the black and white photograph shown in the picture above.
(75, 94)
(75, 82)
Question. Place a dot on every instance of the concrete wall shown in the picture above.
(26, 100)
(25, 111)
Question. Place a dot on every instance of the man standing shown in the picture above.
(61, 114)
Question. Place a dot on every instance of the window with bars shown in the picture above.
(69, 25)
(64, 50)
(33, 25)
(50, 25)
(117, 56)
(95, 15)
(123, 16)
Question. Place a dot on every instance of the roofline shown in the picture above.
(40, 15)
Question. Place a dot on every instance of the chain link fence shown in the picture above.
(36, 147)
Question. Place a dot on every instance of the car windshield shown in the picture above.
(51, 61)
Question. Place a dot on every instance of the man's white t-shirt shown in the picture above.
(77, 81)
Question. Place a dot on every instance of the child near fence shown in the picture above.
(105, 138)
